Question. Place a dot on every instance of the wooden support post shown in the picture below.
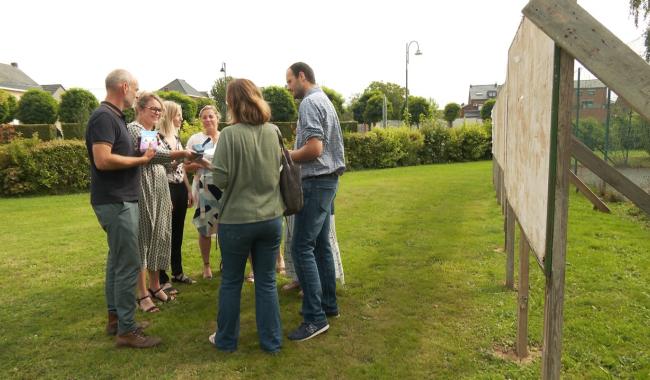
(522, 310)
(555, 258)
(510, 247)
(584, 189)
(613, 177)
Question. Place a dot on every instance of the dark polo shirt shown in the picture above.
(107, 125)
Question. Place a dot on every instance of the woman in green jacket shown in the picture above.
(247, 169)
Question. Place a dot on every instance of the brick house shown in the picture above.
(593, 99)
(478, 95)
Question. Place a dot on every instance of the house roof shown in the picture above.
(52, 88)
(183, 87)
(479, 91)
(12, 77)
(589, 83)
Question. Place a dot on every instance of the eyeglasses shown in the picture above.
(154, 109)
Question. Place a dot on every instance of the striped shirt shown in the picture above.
(317, 118)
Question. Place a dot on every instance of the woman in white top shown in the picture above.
(205, 194)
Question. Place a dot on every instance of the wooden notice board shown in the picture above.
(528, 132)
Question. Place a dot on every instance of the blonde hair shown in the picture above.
(166, 123)
(210, 107)
(144, 97)
(246, 104)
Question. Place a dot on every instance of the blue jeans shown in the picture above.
(311, 250)
(262, 241)
(120, 221)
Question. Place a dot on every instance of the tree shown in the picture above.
(641, 9)
(218, 93)
(187, 104)
(394, 94)
(486, 110)
(336, 99)
(37, 107)
(76, 106)
(419, 108)
(7, 106)
(202, 102)
(359, 104)
(451, 112)
(283, 108)
(373, 111)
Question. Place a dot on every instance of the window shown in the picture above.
(492, 94)
(587, 104)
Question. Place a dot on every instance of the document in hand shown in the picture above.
(148, 139)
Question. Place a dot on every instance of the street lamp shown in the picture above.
(417, 52)
(223, 70)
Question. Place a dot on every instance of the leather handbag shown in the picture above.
(290, 182)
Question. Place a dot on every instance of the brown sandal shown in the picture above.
(154, 294)
(152, 309)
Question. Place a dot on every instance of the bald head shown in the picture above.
(116, 78)
(121, 88)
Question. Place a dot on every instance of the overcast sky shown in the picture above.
(348, 43)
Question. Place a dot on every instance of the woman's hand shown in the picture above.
(190, 199)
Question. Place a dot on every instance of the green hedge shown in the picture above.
(29, 166)
(74, 131)
(45, 132)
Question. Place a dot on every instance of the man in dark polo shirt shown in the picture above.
(114, 192)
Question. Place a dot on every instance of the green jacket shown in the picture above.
(247, 169)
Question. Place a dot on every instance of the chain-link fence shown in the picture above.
(612, 130)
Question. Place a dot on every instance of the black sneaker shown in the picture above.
(330, 314)
(308, 330)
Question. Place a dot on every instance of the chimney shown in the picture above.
(14, 64)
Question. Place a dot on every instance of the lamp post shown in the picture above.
(417, 52)
(223, 70)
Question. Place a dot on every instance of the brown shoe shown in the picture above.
(136, 339)
(111, 325)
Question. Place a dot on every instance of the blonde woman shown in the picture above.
(179, 189)
(154, 204)
(205, 194)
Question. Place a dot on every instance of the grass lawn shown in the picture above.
(423, 299)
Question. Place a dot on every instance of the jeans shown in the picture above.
(120, 221)
(262, 241)
(311, 250)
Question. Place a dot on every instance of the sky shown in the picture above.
(349, 44)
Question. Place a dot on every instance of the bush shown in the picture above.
(77, 105)
(44, 132)
(7, 107)
(37, 107)
(349, 126)
(283, 107)
(410, 144)
(28, 166)
(202, 102)
(187, 104)
(74, 131)
(436, 140)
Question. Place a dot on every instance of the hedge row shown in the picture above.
(30, 166)
(387, 148)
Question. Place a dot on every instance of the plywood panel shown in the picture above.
(528, 133)
(499, 125)
(598, 49)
